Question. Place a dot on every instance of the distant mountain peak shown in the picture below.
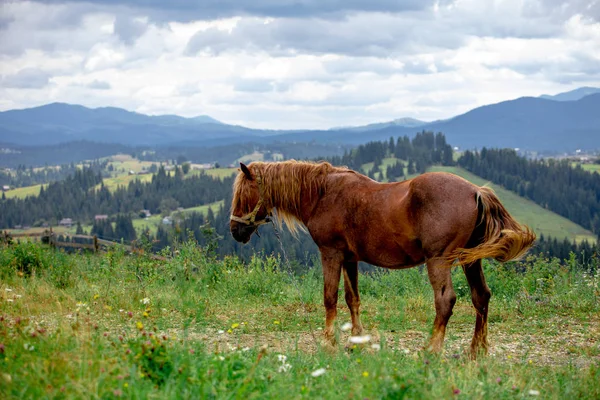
(573, 95)
(405, 122)
(205, 119)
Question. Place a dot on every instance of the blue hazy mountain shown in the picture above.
(60, 123)
(572, 95)
(528, 123)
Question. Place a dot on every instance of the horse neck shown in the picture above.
(294, 192)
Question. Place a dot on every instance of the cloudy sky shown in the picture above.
(295, 63)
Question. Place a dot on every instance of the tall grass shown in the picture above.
(117, 325)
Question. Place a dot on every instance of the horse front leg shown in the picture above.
(352, 296)
(444, 297)
(332, 265)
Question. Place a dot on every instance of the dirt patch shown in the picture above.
(577, 345)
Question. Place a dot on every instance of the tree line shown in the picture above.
(28, 176)
(83, 195)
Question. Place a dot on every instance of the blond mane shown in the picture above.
(284, 183)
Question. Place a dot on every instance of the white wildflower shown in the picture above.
(346, 327)
(245, 349)
(220, 331)
(81, 304)
(376, 346)
(121, 310)
(18, 296)
(9, 300)
(28, 347)
(145, 300)
(8, 290)
(285, 367)
(282, 358)
(534, 392)
(318, 372)
(360, 339)
(221, 358)
(406, 351)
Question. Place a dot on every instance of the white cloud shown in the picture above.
(255, 64)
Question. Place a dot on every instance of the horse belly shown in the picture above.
(394, 255)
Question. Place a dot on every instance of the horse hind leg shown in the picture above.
(480, 296)
(352, 297)
(444, 297)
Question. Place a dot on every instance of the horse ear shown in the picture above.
(246, 171)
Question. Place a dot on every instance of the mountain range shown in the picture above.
(563, 122)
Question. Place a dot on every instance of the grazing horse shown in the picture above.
(436, 218)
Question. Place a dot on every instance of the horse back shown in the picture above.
(395, 225)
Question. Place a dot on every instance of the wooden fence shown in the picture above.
(51, 238)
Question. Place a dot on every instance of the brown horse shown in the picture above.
(435, 218)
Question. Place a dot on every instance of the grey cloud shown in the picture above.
(100, 85)
(28, 78)
(587, 8)
(376, 35)
(188, 89)
(254, 85)
(576, 64)
(186, 10)
(128, 29)
(5, 21)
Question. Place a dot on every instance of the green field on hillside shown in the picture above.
(591, 167)
(123, 163)
(541, 220)
(22, 192)
(106, 326)
(219, 172)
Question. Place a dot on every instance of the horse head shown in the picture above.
(248, 210)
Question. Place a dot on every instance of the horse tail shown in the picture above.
(498, 234)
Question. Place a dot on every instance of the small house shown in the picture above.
(167, 221)
(100, 217)
(5, 188)
(66, 222)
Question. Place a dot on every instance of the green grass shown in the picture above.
(541, 220)
(221, 172)
(22, 192)
(591, 167)
(123, 163)
(112, 325)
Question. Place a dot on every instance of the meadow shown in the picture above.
(115, 325)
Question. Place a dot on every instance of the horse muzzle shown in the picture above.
(240, 232)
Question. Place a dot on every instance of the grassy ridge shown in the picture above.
(541, 220)
(195, 327)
